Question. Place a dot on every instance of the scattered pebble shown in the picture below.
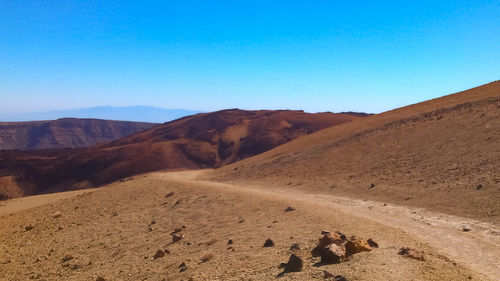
(268, 243)
(159, 254)
(66, 258)
(411, 253)
(182, 267)
(56, 215)
(289, 209)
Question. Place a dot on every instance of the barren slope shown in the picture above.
(115, 232)
(441, 154)
(198, 141)
(66, 132)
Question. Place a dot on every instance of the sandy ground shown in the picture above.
(114, 232)
(19, 204)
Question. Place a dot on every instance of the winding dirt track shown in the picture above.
(477, 248)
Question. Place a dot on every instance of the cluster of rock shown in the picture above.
(336, 247)
(332, 248)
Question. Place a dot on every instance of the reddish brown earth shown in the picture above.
(442, 154)
(66, 132)
(206, 140)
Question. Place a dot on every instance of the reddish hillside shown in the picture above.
(67, 132)
(443, 154)
(198, 141)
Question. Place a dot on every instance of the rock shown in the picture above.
(333, 253)
(99, 278)
(170, 194)
(28, 227)
(327, 239)
(372, 185)
(323, 232)
(479, 186)
(372, 243)
(167, 251)
(56, 215)
(289, 209)
(268, 243)
(465, 229)
(229, 242)
(177, 237)
(411, 253)
(182, 267)
(329, 275)
(66, 258)
(206, 258)
(177, 230)
(294, 264)
(357, 245)
(295, 247)
(159, 254)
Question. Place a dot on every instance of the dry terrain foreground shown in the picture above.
(116, 232)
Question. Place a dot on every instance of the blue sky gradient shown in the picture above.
(210, 55)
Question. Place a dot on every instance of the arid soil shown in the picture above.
(115, 232)
(65, 133)
(204, 140)
(442, 155)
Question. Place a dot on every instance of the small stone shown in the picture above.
(357, 245)
(229, 242)
(333, 254)
(295, 247)
(465, 229)
(372, 243)
(56, 215)
(372, 185)
(323, 232)
(170, 194)
(99, 278)
(28, 227)
(177, 237)
(294, 264)
(66, 258)
(289, 209)
(327, 239)
(177, 230)
(182, 267)
(411, 253)
(329, 275)
(268, 243)
(479, 186)
(159, 254)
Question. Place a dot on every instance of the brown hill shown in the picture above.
(66, 132)
(442, 154)
(198, 141)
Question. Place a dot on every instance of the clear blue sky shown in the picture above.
(209, 55)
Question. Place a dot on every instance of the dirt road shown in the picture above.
(469, 242)
(113, 232)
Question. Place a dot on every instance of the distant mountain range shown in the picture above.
(206, 140)
(128, 113)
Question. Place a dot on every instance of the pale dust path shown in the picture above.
(477, 249)
(23, 203)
